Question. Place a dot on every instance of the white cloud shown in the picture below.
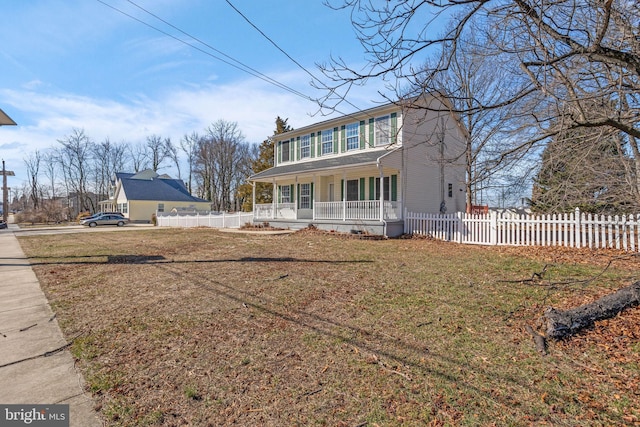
(44, 117)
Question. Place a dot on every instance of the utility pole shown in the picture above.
(5, 192)
(5, 121)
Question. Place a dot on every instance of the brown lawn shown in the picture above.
(200, 327)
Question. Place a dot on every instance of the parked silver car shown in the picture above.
(105, 219)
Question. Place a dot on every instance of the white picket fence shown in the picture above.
(212, 219)
(576, 229)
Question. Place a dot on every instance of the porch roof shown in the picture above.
(336, 162)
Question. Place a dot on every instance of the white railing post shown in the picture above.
(493, 228)
(578, 232)
(460, 227)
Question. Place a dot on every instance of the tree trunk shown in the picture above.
(561, 324)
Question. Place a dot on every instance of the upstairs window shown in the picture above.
(353, 140)
(284, 150)
(327, 141)
(382, 133)
(305, 146)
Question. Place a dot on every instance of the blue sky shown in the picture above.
(81, 64)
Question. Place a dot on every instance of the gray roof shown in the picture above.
(358, 159)
(157, 188)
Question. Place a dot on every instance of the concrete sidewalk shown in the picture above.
(35, 364)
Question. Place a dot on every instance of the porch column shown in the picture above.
(344, 195)
(253, 198)
(274, 198)
(382, 193)
(313, 198)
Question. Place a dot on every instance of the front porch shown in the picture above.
(362, 216)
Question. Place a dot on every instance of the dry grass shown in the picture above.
(198, 327)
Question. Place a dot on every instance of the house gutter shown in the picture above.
(379, 165)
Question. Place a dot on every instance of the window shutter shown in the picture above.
(361, 188)
(279, 153)
(343, 138)
(298, 195)
(311, 195)
(292, 149)
(371, 130)
(394, 188)
(394, 128)
(372, 188)
(319, 138)
(312, 143)
(298, 148)
(342, 189)
(335, 140)
(279, 194)
(362, 138)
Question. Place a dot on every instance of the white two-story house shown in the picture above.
(361, 172)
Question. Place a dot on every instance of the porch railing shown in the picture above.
(353, 210)
(282, 211)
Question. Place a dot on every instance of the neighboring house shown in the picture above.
(329, 174)
(139, 196)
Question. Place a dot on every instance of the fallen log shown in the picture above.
(561, 324)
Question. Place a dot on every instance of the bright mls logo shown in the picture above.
(34, 415)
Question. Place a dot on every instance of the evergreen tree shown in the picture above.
(584, 169)
(265, 160)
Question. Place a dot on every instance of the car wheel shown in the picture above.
(120, 223)
(92, 224)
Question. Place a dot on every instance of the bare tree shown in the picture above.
(50, 160)
(558, 58)
(109, 158)
(75, 157)
(220, 157)
(189, 144)
(32, 162)
(158, 150)
(173, 155)
(139, 156)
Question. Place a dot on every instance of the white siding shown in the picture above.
(422, 134)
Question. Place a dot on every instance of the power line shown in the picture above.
(235, 64)
(289, 56)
